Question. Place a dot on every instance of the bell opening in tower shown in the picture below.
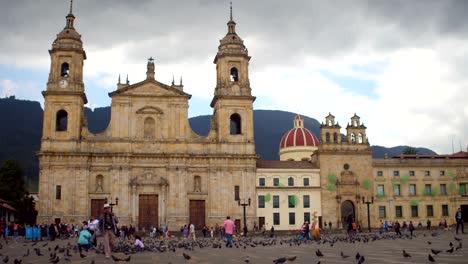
(234, 74)
(65, 70)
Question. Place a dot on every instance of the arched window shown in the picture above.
(234, 74)
(360, 138)
(235, 124)
(355, 123)
(327, 137)
(329, 122)
(149, 128)
(353, 138)
(61, 121)
(290, 181)
(335, 137)
(65, 70)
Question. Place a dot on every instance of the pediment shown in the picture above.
(149, 88)
(149, 110)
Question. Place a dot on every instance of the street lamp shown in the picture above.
(368, 210)
(244, 204)
(111, 204)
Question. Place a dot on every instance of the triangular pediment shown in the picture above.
(149, 88)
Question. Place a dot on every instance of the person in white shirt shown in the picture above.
(93, 225)
(192, 231)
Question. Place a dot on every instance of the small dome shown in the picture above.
(299, 136)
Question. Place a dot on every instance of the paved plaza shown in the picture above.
(374, 248)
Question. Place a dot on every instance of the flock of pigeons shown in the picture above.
(173, 246)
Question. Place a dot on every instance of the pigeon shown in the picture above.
(292, 258)
(280, 260)
(343, 255)
(435, 252)
(56, 260)
(247, 259)
(82, 255)
(6, 259)
(17, 261)
(45, 245)
(458, 239)
(361, 260)
(358, 256)
(431, 259)
(459, 246)
(116, 259)
(450, 250)
(450, 244)
(429, 242)
(319, 253)
(406, 255)
(187, 257)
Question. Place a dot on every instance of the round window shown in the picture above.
(346, 166)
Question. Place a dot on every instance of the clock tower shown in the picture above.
(64, 97)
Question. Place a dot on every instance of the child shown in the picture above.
(138, 243)
(84, 238)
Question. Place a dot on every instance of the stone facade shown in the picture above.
(148, 150)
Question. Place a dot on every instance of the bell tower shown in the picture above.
(64, 97)
(233, 101)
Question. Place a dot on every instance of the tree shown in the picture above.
(410, 151)
(13, 190)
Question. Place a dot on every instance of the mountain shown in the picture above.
(21, 120)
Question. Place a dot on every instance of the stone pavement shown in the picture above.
(379, 251)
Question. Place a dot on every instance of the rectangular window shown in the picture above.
(382, 212)
(276, 218)
(275, 201)
(290, 181)
(462, 189)
(380, 190)
(412, 189)
(58, 192)
(261, 182)
(427, 189)
(430, 210)
(236, 193)
(291, 201)
(396, 173)
(411, 173)
(398, 211)
(427, 173)
(443, 189)
(306, 201)
(261, 201)
(442, 173)
(379, 173)
(414, 211)
(275, 181)
(307, 217)
(396, 189)
(292, 218)
(306, 181)
(445, 210)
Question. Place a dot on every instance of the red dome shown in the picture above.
(299, 136)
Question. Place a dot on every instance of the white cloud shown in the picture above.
(8, 88)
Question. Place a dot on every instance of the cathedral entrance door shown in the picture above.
(97, 206)
(347, 209)
(197, 213)
(148, 211)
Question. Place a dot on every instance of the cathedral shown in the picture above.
(155, 170)
(148, 162)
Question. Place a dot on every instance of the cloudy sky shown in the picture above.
(402, 66)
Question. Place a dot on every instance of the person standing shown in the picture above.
(428, 224)
(229, 231)
(192, 231)
(93, 225)
(3, 228)
(459, 220)
(411, 227)
(330, 225)
(108, 225)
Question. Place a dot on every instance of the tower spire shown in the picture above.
(230, 10)
(231, 24)
(71, 7)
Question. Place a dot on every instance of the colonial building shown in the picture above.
(289, 189)
(148, 159)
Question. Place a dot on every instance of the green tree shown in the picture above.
(13, 190)
(410, 150)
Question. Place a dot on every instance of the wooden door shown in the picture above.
(197, 213)
(148, 211)
(97, 206)
(261, 222)
(237, 223)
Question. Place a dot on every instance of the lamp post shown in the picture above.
(111, 204)
(368, 210)
(244, 204)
